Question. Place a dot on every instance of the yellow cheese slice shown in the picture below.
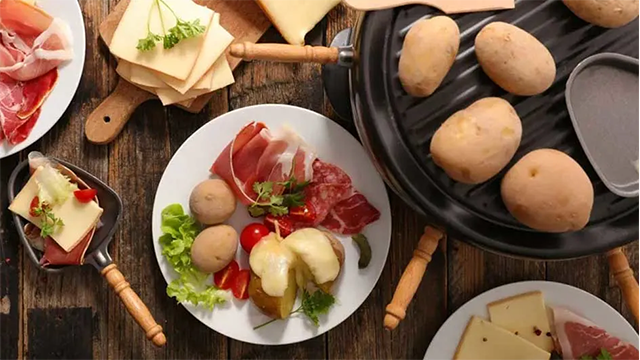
(177, 61)
(139, 75)
(483, 340)
(221, 74)
(271, 262)
(168, 96)
(524, 315)
(78, 218)
(216, 41)
(294, 18)
(187, 103)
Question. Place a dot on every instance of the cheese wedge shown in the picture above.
(483, 340)
(216, 41)
(295, 18)
(524, 315)
(177, 61)
(78, 218)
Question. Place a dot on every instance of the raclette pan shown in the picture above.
(97, 253)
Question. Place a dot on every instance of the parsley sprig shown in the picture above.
(604, 355)
(277, 205)
(182, 30)
(48, 220)
(312, 305)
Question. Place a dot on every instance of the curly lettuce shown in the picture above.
(178, 232)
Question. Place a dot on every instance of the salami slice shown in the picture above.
(323, 197)
(351, 215)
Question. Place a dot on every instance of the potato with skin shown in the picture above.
(214, 248)
(548, 191)
(212, 202)
(278, 307)
(475, 143)
(514, 59)
(605, 13)
(428, 52)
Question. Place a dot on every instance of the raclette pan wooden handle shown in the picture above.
(411, 277)
(284, 53)
(619, 267)
(134, 305)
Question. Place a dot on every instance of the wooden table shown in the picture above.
(76, 315)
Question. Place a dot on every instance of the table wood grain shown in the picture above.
(74, 315)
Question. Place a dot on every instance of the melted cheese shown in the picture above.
(78, 218)
(483, 340)
(177, 61)
(272, 262)
(295, 18)
(315, 250)
(523, 315)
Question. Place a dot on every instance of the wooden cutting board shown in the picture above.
(243, 19)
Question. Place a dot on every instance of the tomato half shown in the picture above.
(303, 214)
(225, 278)
(285, 225)
(35, 203)
(241, 286)
(85, 195)
(251, 234)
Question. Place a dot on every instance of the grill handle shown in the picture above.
(411, 277)
(619, 267)
(287, 53)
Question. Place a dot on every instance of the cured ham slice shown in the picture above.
(255, 154)
(577, 337)
(55, 255)
(20, 104)
(32, 43)
(351, 215)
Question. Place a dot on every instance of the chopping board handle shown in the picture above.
(134, 305)
(284, 53)
(619, 267)
(107, 120)
(410, 280)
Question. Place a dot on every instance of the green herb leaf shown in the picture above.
(293, 200)
(148, 43)
(316, 304)
(49, 223)
(181, 31)
(256, 211)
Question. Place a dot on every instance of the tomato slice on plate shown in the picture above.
(85, 195)
(35, 203)
(303, 214)
(225, 278)
(241, 285)
(285, 225)
(251, 234)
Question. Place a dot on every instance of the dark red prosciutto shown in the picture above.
(55, 255)
(20, 104)
(351, 215)
(577, 337)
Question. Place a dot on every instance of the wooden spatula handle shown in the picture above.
(284, 53)
(134, 305)
(410, 280)
(619, 267)
(107, 120)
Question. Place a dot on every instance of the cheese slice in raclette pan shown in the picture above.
(216, 41)
(177, 61)
(295, 18)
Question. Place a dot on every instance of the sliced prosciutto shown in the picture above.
(32, 43)
(577, 337)
(257, 155)
(351, 215)
(20, 104)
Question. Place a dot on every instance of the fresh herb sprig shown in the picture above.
(277, 205)
(182, 30)
(48, 220)
(312, 305)
(604, 355)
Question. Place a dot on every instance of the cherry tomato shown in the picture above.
(303, 214)
(251, 234)
(241, 286)
(285, 225)
(35, 203)
(85, 195)
(225, 278)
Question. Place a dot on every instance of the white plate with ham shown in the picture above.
(580, 325)
(274, 142)
(42, 50)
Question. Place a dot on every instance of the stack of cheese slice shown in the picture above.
(519, 329)
(191, 68)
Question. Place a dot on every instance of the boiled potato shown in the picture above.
(338, 249)
(214, 248)
(428, 52)
(212, 202)
(275, 307)
(475, 143)
(514, 59)
(605, 13)
(548, 191)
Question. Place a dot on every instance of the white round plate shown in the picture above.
(190, 165)
(69, 74)
(444, 344)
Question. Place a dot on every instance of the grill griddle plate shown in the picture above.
(397, 128)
